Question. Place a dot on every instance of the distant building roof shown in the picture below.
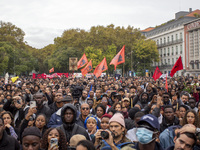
(148, 29)
(193, 12)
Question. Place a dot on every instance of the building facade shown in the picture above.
(192, 47)
(170, 42)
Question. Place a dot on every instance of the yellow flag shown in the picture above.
(14, 79)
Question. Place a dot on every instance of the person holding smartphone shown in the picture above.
(54, 139)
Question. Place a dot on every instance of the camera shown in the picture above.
(104, 134)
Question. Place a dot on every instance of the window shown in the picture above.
(172, 50)
(168, 53)
(160, 41)
(157, 42)
(172, 61)
(197, 65)
(181, 49)
(181, 35)
(168, 39)
(164, 51)
(165, 61)
(172, 38)
(168, 61)
(176, 50)
(164, 40)
(176, 36)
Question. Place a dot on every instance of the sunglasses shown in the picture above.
(85, 108)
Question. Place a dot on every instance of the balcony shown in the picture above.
(169, 43)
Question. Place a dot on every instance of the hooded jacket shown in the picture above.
(72, 128)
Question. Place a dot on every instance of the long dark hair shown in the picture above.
(61, 143)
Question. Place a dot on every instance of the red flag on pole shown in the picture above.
(51, 70)
(101, 68)
(157, 74)
(177, 66)
(82, 61)
(119, 58)
(87, 68)
(166, 84)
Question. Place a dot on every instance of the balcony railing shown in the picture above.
(169, 43)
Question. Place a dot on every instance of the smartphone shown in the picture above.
(54, 142)
(32, 104)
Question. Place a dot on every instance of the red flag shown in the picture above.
(177, 66)
(51, 70)
(119, 58)
(166, 84)
(82, 62)
(157, 73)
(87, 68)
(101, 68)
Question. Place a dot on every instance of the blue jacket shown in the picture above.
(167, 137)
(55, 119)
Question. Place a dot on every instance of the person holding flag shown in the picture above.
(51, 70)
(177, 66)
(157, 74)
(82, 62)
(101, 68)
(87, 68)
(119, 58)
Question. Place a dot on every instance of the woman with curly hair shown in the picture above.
(191, 117)
(53, 133)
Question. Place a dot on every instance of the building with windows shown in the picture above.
(192, 47)
(170, 41)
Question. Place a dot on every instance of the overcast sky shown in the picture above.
(44, 20)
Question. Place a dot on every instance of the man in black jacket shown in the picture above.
(58, 102)
(169, 119)
(69, 127)
(7, 142)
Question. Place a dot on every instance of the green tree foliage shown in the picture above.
(145, 52)
(15, 54)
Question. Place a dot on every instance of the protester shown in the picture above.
(85, 110)
(69, 127)
(147, 132)
(53, 133)
(7, 142)
(117, 139)
(31, 138)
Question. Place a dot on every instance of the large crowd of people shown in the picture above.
(100, 113)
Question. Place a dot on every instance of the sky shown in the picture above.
(44, 20)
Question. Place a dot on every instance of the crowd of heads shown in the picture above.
(104, 113)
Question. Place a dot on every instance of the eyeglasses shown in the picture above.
(85, 108)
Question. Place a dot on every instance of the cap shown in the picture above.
(104, 94)
(126, 99)
(67, 98)
(151, 119)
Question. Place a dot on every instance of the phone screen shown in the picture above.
(32, 104)
(54, 142)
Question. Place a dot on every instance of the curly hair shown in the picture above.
(196, 121)
(61, 143)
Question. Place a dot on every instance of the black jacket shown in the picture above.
(164, 125)
(72, 128)
(53, 107)
(9, 143)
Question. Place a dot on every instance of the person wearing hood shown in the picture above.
(69, 127)
(141, 99)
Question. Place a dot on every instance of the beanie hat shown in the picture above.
(107, 115)
(32, 131)
(119, 118)
(75, 139)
